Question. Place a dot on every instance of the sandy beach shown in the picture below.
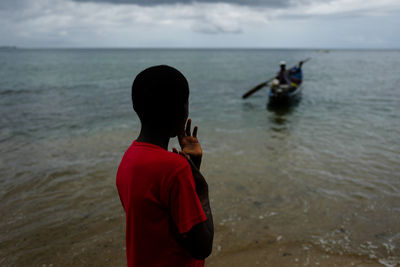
(274, 253)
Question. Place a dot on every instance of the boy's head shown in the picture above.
(160, 98)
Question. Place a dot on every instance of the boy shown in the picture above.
(165, 197)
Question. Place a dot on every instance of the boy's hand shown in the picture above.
(190, 144)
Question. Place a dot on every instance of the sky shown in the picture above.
(201, 24)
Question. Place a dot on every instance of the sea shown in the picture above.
(322, 174)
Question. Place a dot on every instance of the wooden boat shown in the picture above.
(283, 92)
(286, 93)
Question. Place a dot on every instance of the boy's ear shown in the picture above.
(177, 126)
(174, 129)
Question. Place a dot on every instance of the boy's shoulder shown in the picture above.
(156, 155)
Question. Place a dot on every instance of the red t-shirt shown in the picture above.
(157, 191)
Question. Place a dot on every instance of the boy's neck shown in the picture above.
(152, 137)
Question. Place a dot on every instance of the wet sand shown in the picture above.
(108, 250)
(275, 253)
(286, 254)
(98, 239)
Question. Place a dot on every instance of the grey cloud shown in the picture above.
(267, 3)
(12, 4)
(213, 28)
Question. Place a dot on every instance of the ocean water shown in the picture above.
(323, 173)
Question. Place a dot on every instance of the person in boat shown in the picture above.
(292, 77)
(283, 74)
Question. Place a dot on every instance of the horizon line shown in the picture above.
(4, 47)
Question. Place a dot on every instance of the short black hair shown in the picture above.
(159, 93)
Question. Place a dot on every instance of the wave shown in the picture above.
(16, 91)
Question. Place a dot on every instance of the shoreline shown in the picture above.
(273, 253)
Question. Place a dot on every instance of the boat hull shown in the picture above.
(282, 97)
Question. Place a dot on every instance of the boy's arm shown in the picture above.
(198, 241)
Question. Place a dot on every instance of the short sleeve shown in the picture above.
(183, 202)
